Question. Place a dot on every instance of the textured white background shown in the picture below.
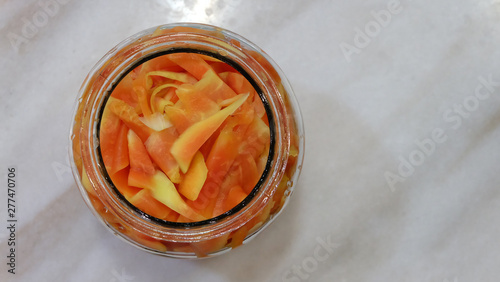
(362, 112)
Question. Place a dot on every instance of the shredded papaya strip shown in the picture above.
(165, 192)
(142, 97)
(128, 115)
(190, 141)
(228, 183)
(170, 95)
(156, 121)
(182, 77)
(192, 63)
(229, 101)
(156, 91)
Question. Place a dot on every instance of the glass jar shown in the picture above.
(230, 229)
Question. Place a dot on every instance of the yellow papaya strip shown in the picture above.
(194, 178)
(190, 141)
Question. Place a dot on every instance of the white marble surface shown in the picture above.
(363, 113)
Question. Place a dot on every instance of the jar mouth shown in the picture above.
(272, 142)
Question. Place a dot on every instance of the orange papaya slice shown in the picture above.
(178, 118)
(141, 166)
(223, 153)
(239, 236)
(163, 63)
(220, 159)
(256, 138)
(158, 104)
(186, 138)
(146, 240)
(190, 141)
(165, 192)
(157, 121)
(120, 180)
(191, 62)
(195, 178)
(204, 248)
(238, 83)
(234, 197)
(249, 173)
(214, 87)
(266, 65)
(221, 200)
(220, 67)
(179, 76)
(113, 142)
(195, 102)
(128, 115)
(145, 201)
(86, 182)
(142, 97)
(124, 91)
(158, 146)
